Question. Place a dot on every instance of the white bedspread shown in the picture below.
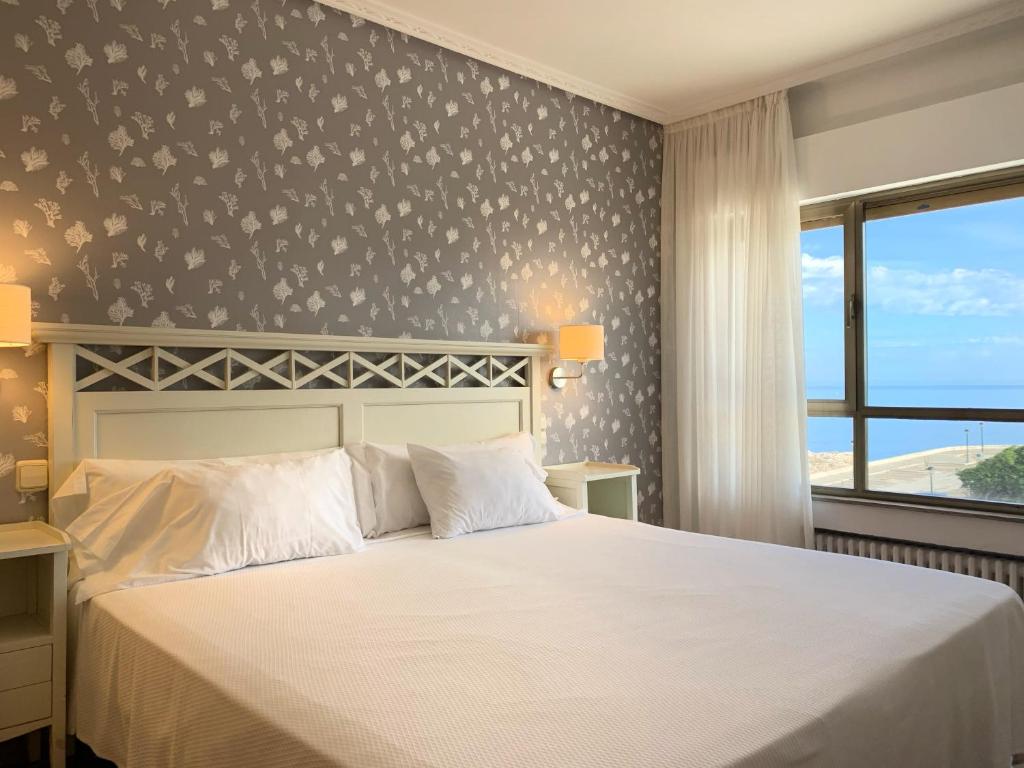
(588, 642)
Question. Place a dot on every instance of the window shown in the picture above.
(914, 344)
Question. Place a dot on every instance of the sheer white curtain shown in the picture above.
(733, 399)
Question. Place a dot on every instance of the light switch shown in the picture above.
(31, 475)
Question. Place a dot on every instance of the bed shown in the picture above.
(582, 642)
(585, 642)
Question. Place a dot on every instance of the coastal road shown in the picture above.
(930, 472)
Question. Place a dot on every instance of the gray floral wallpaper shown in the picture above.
(278, 165)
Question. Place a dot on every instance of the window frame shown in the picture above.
(852, 213)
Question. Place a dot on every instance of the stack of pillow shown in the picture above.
(455, 489)
(137, 522)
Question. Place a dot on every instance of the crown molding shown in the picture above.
(1006, 11)
(142, 336)
(438, 34)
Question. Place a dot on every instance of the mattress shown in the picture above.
(585, 643)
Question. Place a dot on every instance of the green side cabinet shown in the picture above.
(599, 488)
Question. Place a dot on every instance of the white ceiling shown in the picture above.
(671, 59)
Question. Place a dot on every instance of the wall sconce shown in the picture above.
(15, 315)
(581, 344)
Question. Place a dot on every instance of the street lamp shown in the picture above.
(931, 480)
(981, 426)
(967, 445)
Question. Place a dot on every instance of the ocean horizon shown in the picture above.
(888, 438)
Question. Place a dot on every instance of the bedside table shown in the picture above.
(33, 632)
(599, 488)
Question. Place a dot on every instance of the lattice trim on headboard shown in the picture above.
(230, 369)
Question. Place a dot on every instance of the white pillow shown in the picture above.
(95, 479)
(520, 441)
(362, 488)
(206, 518)
(397, 501)
(477, 488)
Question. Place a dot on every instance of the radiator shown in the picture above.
(1004, 569)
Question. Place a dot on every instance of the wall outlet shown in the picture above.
(31, 475)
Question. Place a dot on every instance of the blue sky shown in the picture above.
(945, 301)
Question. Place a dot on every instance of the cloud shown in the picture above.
(822, 280)
(908, 291)
(814, 267)
(1013, 341)
(948, 293)
(973, 342)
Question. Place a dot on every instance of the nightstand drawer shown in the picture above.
(25, 667)
(24, 705)
(33, 633)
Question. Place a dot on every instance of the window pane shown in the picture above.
(830, 451)
(965, 460)
(944, 296)
(824, 318)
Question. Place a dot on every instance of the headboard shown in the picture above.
(158, 393)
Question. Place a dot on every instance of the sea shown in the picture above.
(895, 437)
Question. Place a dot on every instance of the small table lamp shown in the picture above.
(15, 315)
(581, 344)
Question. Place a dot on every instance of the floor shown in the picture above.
(14, 754)
(84, 758)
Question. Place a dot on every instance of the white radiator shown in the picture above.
(1006, 570)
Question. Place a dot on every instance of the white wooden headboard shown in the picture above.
(165, 393)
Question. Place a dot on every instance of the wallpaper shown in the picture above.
(280, 166)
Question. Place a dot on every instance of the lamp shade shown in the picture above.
(581, 343)
(15, 315)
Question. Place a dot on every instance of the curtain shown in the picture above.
(733, 400)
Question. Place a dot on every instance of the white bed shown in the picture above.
(584, 642)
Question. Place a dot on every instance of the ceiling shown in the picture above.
(671, 59)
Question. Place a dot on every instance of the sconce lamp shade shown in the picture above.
(581, 343)
(15, 315)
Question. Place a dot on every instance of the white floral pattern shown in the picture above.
(277, 165)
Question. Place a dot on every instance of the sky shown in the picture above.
(945, 305)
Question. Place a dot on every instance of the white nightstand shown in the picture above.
(33, 632)
(599, 488)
